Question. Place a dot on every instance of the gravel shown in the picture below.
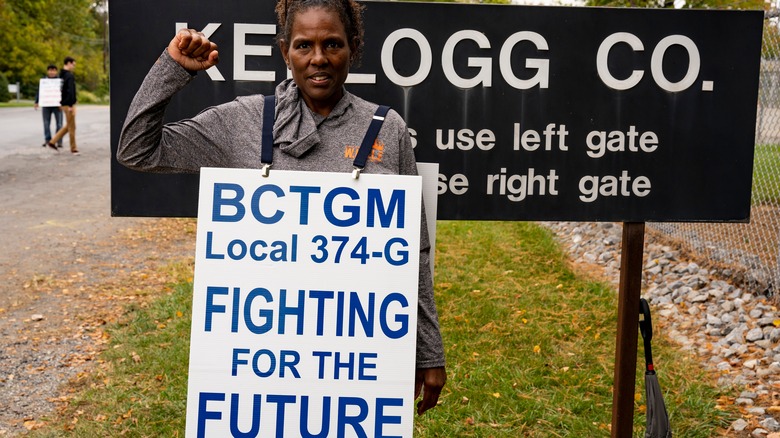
(734, 333)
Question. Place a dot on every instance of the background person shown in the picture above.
(68, 106)
(316, 119)
(50, 111)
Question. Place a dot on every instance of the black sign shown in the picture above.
(533, 113)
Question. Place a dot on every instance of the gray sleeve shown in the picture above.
(430, 348)
(142, 134)
(217, 137)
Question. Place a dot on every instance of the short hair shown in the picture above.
(51, 67)
(68, 60)
(350, 12)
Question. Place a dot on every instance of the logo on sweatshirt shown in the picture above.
(377, 151)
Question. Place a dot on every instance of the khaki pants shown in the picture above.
(69, 128)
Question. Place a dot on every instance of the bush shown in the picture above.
(5, 96)
(85, 96)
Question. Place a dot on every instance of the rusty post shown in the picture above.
(629, 293)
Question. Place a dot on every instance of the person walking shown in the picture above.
(68, 106)
(50, 108)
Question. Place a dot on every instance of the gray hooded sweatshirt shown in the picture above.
(229, 135)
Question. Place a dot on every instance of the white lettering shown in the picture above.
(591, 186)
(426, 57)
(694, 63)
(603, 55)
(484, 76)
(242, 50)
(542, 66)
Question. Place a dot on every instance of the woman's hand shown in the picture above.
(192, 50)
(429, 381)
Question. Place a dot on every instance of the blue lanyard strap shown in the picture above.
(267, 145)
(370, 137)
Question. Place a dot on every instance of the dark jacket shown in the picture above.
(68, 88)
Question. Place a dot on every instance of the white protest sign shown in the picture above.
(50, 92)
(304, 305)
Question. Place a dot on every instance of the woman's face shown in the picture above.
(319, 55)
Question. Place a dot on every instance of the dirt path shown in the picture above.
(63, 258)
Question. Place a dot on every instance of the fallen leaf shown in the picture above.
(537, 349)
(31, 425)
(491, 326)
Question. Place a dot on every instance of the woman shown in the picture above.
(316, 119)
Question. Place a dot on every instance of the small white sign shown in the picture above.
(50, 92)
(304, 305)
(430, 174)
(13, 88)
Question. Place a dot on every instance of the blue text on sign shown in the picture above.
(351, 311)
(352, 412)
(341, 206)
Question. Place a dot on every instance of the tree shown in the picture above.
(41, 32)
(5, 96)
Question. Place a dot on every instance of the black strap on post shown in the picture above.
(368, 139)
(267, 144)
(646, 329)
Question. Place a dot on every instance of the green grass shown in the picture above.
(766, 174)
(530, 352)
(16, 104)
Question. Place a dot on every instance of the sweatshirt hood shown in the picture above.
(295, 128)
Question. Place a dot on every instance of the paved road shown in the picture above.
(21, 130)
(58, 243)
(52, 205)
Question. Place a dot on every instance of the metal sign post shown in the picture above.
(629, 292)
